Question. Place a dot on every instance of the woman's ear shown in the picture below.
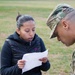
(18, 31)
(65, 24)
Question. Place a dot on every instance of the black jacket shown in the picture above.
(13, 50)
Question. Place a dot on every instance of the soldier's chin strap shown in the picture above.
(73, 64)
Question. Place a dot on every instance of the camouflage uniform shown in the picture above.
(73, 64)
(54, 18)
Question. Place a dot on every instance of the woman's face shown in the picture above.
(27, 31)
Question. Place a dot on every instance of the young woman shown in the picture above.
(23, 41)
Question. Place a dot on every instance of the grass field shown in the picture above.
(59, 54)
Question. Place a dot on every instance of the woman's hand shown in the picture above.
(44, 60)
(21, 63)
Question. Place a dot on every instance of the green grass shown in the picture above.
(59, 54)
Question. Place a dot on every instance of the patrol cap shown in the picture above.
(57, 14)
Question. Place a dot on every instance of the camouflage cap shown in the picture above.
(58, 13)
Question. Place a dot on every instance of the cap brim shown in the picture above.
(52, 35)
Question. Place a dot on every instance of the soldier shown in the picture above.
(62, 23)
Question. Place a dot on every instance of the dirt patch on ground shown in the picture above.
(2, 35)
(54, 55)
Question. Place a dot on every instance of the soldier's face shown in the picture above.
(63, 34)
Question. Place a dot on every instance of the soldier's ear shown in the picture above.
(65, 24)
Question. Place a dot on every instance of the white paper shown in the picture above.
(32, 60)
